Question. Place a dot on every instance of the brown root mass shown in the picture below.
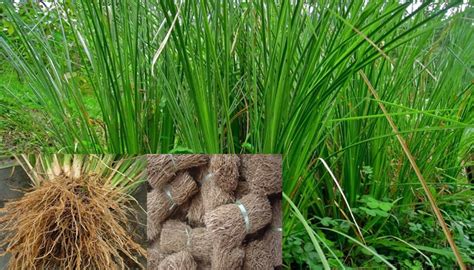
(159, 207)
(214, 196)
(153, 229)
(69, 224)
(245, 164)
(273, 237)
(174, 236)
(258, 256)
(201, 244)
(181, 212)
(177, 236)
(202, 224)
(259, 211)
(195, 215)
(227, 258)
(182, 188)
(182, 260)
(155, 256)
(204, 266)
(227, 225)
(163, 168)
(225, 170)
(263, 172)
(243, 188)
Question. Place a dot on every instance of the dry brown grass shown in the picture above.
(70, 223)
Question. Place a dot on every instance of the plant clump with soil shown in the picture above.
(70, 221)
(69, 224)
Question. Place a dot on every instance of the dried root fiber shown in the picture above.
(159, 207)
(160, 204)
(182, 260)
(163, 168)
(243, 188)
(177, 236)
(195, 215)
(213, 195)
(230, 223)
(153, 229)
(225, 170)
(182, 188)
(155, 256)
(263, 172)
(56, 226)
(274, 234)
(258, 256)
(217, 214)
(227, 258)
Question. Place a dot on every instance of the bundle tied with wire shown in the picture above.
(177, 236)
(263, 173)
(258, 256)
(161, 203)
(274, 234)
(154, 255)
(218, 182)
(229, 258)
(225, 170)
(195, 215)
(230, 223)
(243, 188)
(182, 260)
(153, 229)
(163, 168)
(212, 194)
(265, 252)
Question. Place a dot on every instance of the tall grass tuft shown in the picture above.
(271, 77)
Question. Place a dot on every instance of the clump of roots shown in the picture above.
(70, 224)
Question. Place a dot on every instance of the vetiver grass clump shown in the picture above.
(264, 76)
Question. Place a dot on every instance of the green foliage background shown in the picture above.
(153, 76)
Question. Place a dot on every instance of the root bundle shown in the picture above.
(228, 258)
(243, 188)
(230, 223)
(273, 236)
(161, 203)
(225, 170)
(69, 223)
(177, 236)
(182, 260)
(258, 256)
(155, 256)
(213, 195)
(153, 229)
(195, 213)
(163, 168)
(263, 172)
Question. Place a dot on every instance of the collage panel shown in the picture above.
(186, 211)
(73, 212)
(214, 212)
(168, 119)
